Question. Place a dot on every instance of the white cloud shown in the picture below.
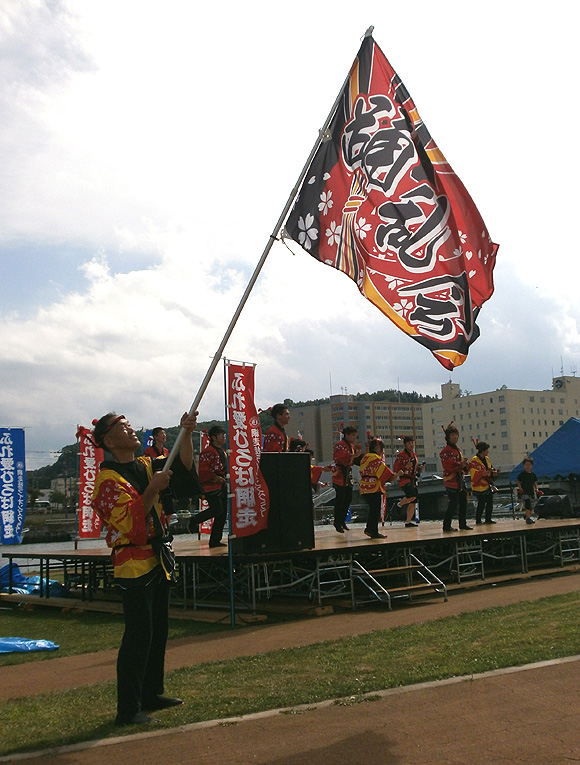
(154, 148)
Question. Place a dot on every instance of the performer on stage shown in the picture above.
(212, 474)
(528, 488)
(316, 471)
(127, 499)
(275, 438)
(346, 454)
(407, 464)
(374, 474)
(157, 448)
(454, 468)
(482, 475)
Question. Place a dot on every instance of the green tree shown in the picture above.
(57, 498)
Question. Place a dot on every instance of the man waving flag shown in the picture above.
(380, 203)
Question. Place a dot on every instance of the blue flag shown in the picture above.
(12, 485)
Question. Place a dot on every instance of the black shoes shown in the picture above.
(160, 702)
(490, 521)
(479, 523)
(449, 528)
(217, 544)
(411, 524)
(374, 536)
(339, 529)
(137, 719)
(466, 528)
(344, 527)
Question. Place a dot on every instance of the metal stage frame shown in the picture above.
(346, 569)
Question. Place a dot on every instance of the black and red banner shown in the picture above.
(381, 203)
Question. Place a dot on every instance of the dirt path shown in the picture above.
(87, 669)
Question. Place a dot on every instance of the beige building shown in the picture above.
(513, 422)
(321, 425)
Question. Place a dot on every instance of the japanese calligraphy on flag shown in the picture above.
(381, 203)
(90, 458)
(12, 485)
(250, 496)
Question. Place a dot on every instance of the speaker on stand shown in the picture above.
(290, 515)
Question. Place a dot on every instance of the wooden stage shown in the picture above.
(349, 567)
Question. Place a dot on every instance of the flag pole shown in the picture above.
(322, 136)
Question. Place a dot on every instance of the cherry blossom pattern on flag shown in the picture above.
(249, 493)
(12, 485)
(90, 458)
(381, 204)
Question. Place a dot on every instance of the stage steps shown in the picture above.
(468, 560)
(374, 582)
(569, 546)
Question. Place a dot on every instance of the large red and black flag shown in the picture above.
(381, 203)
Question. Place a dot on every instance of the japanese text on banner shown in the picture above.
(248, 488)
(12, 485)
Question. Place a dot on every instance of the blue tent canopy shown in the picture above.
(559, 455)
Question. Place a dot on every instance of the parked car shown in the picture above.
(40, 506)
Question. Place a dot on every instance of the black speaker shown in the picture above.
(290, 515)
(554, 506)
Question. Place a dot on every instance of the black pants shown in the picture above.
(374, 503)
(141, 658)
(484, 505)
(457, 504)
(218, 510)
(342, 502)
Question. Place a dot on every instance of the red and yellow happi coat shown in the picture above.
(211, 465)
(275, 439)
(452, 463)
(479, 471)
(129, 529)
(343, 457)
(407, 462)
(374, 474)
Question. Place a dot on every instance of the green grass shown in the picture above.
(349, 667)
(77, 632)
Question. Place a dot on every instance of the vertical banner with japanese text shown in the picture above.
(250, 499)
(90, 457)
(12, 485)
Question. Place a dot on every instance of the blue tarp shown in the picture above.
(11, 644)
(28, 585)
(558, 456)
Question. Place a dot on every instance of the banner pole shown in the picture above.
(322, 136)
(229, 499)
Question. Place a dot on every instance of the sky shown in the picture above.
(148, 149)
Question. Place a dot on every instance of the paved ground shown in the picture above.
(529, 715)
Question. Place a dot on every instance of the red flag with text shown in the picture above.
(381, 203)
(248, 489)
(90, 458)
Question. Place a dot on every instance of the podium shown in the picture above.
(290, 516)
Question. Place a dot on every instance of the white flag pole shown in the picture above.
(322, 136)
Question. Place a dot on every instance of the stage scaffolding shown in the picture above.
(348, 571)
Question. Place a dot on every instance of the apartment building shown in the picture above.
(513, 422)
(321, 425)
